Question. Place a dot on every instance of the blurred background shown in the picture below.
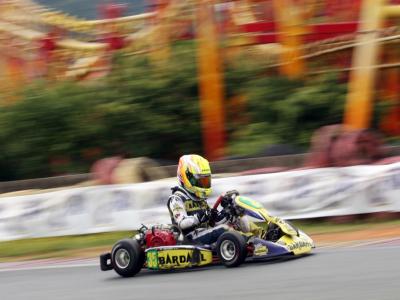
(85, 85)
(81, 81)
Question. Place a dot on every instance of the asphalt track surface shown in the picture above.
(362, 272)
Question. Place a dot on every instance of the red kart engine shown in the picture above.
(159, 237)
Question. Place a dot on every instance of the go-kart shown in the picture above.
(164, 247)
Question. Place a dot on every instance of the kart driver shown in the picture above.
(187, 205)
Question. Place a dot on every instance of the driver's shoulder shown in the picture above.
(178, 191)
(176, 196)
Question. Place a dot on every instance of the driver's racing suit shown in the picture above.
(194, 217)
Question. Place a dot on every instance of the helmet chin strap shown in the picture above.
(190, 194)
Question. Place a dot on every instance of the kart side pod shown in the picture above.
(177, 257)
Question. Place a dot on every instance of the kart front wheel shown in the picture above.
(231, 249)
(127, 257)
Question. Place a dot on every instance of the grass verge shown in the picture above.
(57, 246)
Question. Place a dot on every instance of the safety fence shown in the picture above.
(295, 194)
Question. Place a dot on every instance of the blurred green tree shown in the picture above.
(138, 110)
(146, 110)
(283, 111)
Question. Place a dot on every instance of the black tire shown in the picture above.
(127, 257)
(236, 246)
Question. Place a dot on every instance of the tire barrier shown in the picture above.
(333, 146)
(388, 160)
(136, 170)
(102, 170)
(321, 144)
(356, 148)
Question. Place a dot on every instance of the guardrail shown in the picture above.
(43, 183)
(224, 166)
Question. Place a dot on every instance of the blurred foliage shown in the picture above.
(287, 111)
(138, 110)
(145, 110)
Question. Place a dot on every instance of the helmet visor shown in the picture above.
(201, 181)
(204, 181)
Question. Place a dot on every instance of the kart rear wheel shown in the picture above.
(127, 257)
(231, 249)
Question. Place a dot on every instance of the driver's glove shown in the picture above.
(214, 214)
(228, 197)
(202, 216)
(217, 217)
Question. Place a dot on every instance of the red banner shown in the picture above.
(339, 7)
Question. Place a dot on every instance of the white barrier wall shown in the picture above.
(295, 194)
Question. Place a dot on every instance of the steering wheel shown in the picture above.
(228, 195)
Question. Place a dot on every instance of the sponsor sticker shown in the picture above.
(260, 250)
(177, 258)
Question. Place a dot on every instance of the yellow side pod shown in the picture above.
(163, 258)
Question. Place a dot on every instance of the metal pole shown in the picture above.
(210, 81)
(358, 108)
(291, 27)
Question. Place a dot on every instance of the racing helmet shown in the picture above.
(194, 175)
